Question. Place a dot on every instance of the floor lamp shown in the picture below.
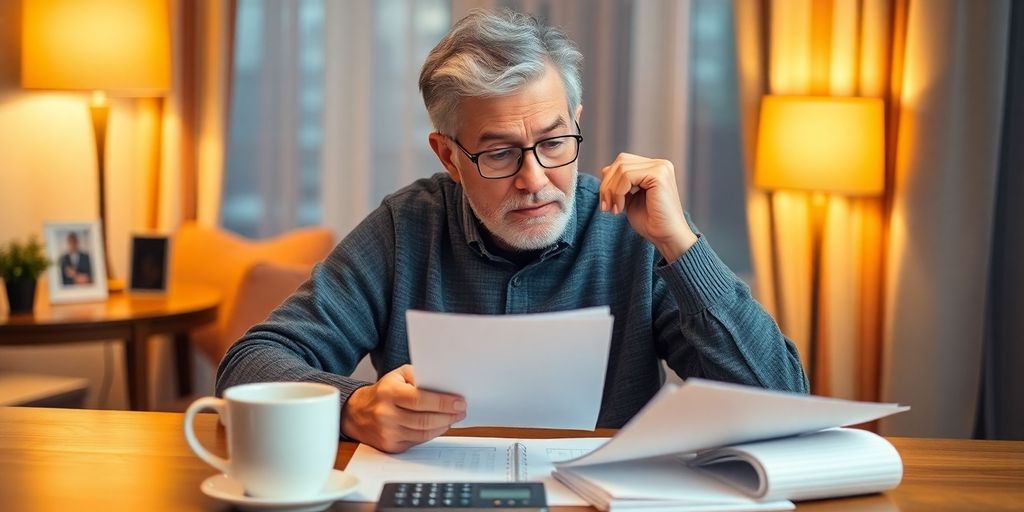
(823, 146)
(116, 47)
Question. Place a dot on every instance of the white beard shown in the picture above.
(533, 233)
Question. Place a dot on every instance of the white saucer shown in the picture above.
(225, 488)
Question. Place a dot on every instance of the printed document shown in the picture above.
(470, 459)
(539, 370)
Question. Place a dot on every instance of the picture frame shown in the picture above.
(78, 272)
(149, 262)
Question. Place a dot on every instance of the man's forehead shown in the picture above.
(538, 125)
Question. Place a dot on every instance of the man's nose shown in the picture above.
(531, 177)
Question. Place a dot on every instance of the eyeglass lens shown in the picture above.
(554, 152)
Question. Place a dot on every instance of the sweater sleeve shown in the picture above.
(322, 331)
(710, 326)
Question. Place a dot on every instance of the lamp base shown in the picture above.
(115, 285)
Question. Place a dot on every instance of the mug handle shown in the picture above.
(207, 402)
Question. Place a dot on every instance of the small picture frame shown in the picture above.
(148, 264)
(78, 272)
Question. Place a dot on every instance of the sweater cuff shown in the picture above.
(698, 279)
(346, 386)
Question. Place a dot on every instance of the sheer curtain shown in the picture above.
(947, 167)
(326, 117)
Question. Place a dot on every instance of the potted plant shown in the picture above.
(20, 268)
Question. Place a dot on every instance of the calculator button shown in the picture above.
(431, 502)
(446, 502)
(415, 502)
(464, 502)
(399, 502)
(497, 503)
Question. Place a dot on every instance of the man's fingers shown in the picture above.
(618, 183)
(422, 436)
(405, 371)
(402, 439)
(426, 421)
(420, 400)
(629, 174)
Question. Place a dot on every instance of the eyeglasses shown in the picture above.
(550, 153)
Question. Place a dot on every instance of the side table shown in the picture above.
(131, 318)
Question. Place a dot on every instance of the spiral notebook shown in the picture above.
(470, 459)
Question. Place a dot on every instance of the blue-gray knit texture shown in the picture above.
(423, 249)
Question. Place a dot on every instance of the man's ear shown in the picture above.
(444, 152)
(579, 112)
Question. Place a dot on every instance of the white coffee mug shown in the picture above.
(282, 436)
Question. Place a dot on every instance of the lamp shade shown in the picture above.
(822, 144)
(117, 46)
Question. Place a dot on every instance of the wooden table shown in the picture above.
(132, 318)
(63, 459)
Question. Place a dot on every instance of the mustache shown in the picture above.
(546, 195)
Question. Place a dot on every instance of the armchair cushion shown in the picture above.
(252, 276)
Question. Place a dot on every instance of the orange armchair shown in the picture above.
(252, 276)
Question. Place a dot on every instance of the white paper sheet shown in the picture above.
(467, 459)
(664, 482)
(542, 370)
(703, 414)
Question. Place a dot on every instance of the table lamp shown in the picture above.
(116, 47)
(823, 145)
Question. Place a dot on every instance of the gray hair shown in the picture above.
(489, 54)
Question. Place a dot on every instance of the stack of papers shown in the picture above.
(715, 446)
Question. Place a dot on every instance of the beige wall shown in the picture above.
(48, 173)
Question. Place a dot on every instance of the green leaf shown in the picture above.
(23, 260)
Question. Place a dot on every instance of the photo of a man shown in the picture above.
(75, 264)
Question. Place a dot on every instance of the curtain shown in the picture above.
(181, 143)
(355, 65)
(186, 171)
(940, 227)
(836, 48)
(1000, 413)
(902, 299)
(375, 125)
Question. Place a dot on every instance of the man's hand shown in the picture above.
(393, 415)
(645, 189)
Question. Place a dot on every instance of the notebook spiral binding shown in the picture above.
(516, 465)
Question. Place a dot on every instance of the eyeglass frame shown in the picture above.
(475, 157)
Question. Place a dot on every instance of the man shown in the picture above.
(75, 266)
(512, 227)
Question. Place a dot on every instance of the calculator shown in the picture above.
(462, 496)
